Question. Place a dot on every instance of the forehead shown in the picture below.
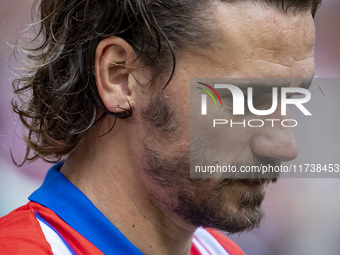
(254, 40)
(255, 24)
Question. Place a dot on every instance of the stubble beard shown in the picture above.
(213, 203)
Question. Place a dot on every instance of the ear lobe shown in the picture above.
(112, 75)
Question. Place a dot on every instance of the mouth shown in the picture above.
(256, 184)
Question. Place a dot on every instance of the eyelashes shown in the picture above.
(296, 96)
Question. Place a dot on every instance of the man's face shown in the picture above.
(252, 41)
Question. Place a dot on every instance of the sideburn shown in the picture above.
(160, 117)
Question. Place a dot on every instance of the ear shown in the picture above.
(113, 56)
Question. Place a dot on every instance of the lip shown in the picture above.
(255, 184)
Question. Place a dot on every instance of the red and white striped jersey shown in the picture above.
(61, 220)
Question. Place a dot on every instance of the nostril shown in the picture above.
(278, 147)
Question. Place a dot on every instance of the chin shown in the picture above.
(233, 209)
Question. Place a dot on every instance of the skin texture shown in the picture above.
(137, 175)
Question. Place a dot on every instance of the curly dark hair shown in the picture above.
(57, 98)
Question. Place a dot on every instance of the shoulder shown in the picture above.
(211, 241)
(227, 243)
(20, 233)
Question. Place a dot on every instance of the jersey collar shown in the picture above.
(71, 205)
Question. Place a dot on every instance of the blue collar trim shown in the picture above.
(72, 206)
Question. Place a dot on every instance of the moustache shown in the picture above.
(259, 170)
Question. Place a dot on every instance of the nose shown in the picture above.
(275, 142)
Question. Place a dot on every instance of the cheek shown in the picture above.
(304, 68)
(233, 143)
(223, 144)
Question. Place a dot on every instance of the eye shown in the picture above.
(295, 95)
(260, 100)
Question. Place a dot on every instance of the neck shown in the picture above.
(115, 190)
